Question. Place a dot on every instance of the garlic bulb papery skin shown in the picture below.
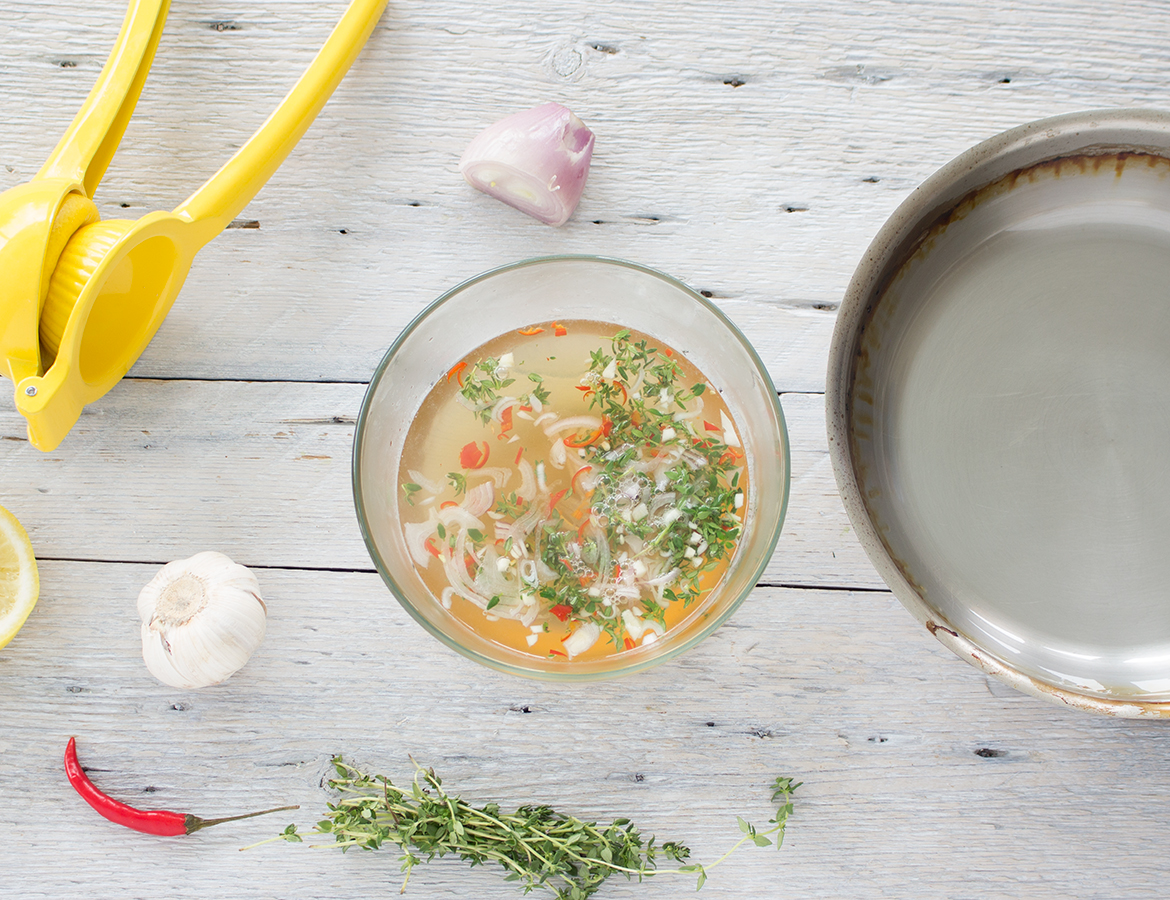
(202, 618)
(536, 161)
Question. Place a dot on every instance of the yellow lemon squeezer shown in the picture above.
(81, 298)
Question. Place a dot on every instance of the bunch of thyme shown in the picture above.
(537, 846)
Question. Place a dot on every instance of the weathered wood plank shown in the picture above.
(158, 470)
(711, 128)
(918, 781)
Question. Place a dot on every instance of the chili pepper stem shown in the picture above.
(194, 823)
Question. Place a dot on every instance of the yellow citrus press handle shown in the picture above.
(227, 192)
(89, 144)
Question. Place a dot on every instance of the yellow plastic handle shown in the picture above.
(227, 192)
(89, 144)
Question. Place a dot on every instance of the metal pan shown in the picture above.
(999, 408)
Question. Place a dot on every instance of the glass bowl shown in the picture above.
(547, 289)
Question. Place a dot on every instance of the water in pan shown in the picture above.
(1018, 461)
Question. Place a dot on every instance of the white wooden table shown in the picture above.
(751, 149)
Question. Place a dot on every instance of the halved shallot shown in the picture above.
(535, 161)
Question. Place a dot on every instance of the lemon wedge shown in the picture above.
(19, 583)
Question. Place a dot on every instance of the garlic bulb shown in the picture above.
(201, 619)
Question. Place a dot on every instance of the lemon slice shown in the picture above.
(19, 583)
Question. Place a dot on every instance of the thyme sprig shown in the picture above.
(483, 383)
(536, 846)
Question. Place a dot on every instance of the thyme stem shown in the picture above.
(535, 845)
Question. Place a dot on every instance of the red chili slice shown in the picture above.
(457, 370)
(472, 457)
(629, 642)
(431, 548)
(561, 611)
(576, 475)
(559, 330)
(555, 499)
(531, 331)
(585, 442)
(711, 427)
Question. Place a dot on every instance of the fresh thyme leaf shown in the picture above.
(536, 846)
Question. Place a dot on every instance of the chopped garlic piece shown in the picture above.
(633, 624)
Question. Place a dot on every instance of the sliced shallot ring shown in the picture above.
(480, 498)
(416, 534)
(557, 454)
(573, 423)
(457, 515)
(498, 474)
(527, 489)
(663, 580)
(431, 487)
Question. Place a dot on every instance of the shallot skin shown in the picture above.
(536, 161)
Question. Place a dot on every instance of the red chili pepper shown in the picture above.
(447, 503)
(519, 453)
(629, 642)
(506, 420)
(555, 652)
(606, 425)
(711, 427)
(151, 821)
(559, 330)
(561, 611)
(432, 549)
(535, 329)
(472, 457)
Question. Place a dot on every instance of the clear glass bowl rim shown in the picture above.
(637, 662)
